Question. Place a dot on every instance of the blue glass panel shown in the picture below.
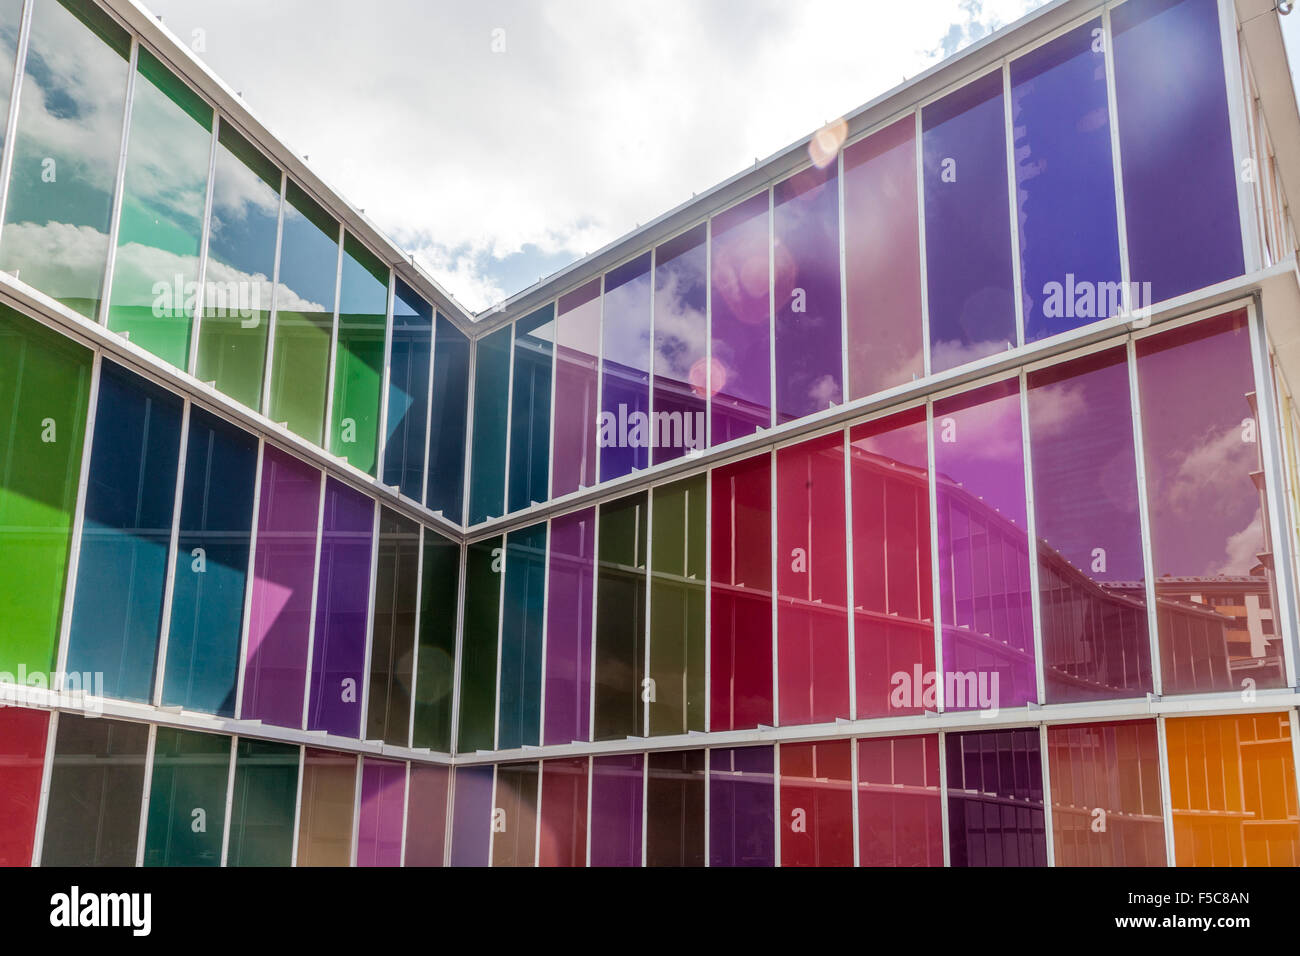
(447, 429)
(521, 638)
(488, 467)
(530, 412)
(624, 433)
(408, 391)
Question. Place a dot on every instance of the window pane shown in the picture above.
(471, 836)
(23, 735)
(1183, 231)
(1210, 545)
(681, 330)
(564, 812)
(900, 819)
(617, 788)
(392, 645)
(817, 804)
(329, 783)
(1065, 184)
(383, 804)
(1090, 566)
(446, 475)
(437, 653)
(522, 622)
(530, 414)
(568, 627)
(740, 610)
(478, 655)
(514, 819)
(882, 256)
(66, 151)
(620, 618)
(304, 316)
(241, 261)
(988, 640)
(740, 361)
(1233, 791)
(359, 360)
(426, 823)
(408, 394)
(812, 615)
(96, 784)
(11, 13)
(742, 807)
(893, 597)
(187, 799)
(280, 616)
(677, 602)
(967, 225)
(806, 260)
(338, 658)
(265, 800)
(160, 225)
(675, 808)
(625, 370)
(45, 384)
(126, 534)
(491, 389)
(211, 567)
(1106, 794)
(577, 346)
(995, 799)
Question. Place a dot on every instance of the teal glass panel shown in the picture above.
(187, 799)
(488, 451)
(264, 802)
(522, 619)
(530, 409)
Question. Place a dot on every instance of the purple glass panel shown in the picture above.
(967, 224)
(1065, 184)
(988, 640)
(426, 819)
(1090, 570)
(1183, 229)
(806, 265)
(995, 799)
(740, 370)
(625, 369)
(342, 600)
(617, 787)
(742, 807)
(379, 823)
(577, 351)
(681, 345)
(280, 619)
(471, 816)
(568, 628)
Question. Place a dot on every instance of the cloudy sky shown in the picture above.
(499, 140)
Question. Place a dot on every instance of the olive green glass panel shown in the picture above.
(66, 152)
(392, 639)
(484, 563)
(187, 799)
(262, 809)
(159, 230)
(677, 576)
(436, 661)
(620, 618)
(359, 356)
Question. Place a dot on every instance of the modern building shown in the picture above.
(925, 494)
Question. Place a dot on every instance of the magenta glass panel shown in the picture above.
(379, 822)
(279, 623)
(882, 258)
(338, 660)
(984, 590)
(617, 789)
(740, 369)
(742, 807)
(571, 576)
(806, 268)
(900, 817)
(740, 609)
(995, 799)
(681, 341)
(1210, 549)
(577, 404)
(563, 831)
(893, 597)
(623, 434)
(426, 817)
(812, 587)
(1092, 600)
(817, 803)
(471, 816)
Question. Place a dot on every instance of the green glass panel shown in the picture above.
(359, 359)
(44, 391)
(304, 316)
(165, 186)
(265, 798)
(66, 152)
(392, 639)
(484, 563)
(620, 617)
(677, 604)
(241, 261)
(187, 799)
(436, 666)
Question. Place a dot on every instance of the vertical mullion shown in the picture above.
(853, 789)
(1112, 109)
(169, 582)
(149, 751)
(647, 682)
(415, 650)
(230, 800)
(467, 469)
(1031, 521)
(945, 825)
(920, 232)
(269, 360)
(385, 380)
(327, 432)
(115, 213)
(250, 582)
(1166, 795)
(501, 622)
(776, 596)
(1144, 517)
(936, 589)
(428, 413)
(1047, 793)
(849, 597)
(297, 807)
(1251, 240)
(453, 743)
(356, 809)
(205, 240)
(43, 799)
(363, 725)
(315, 598)
(1013, 190)
(546, 609)
(11, 119)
